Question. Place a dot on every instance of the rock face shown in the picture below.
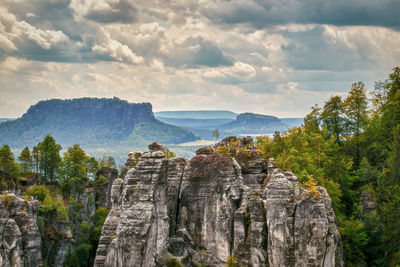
(368, 203)
(20, 243)
(214, 208)
(103, 194)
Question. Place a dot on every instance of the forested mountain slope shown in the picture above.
(91, 121)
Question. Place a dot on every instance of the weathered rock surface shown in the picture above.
(368, 203)
(103, 196)
(20, 243)
(213, 207)
(110, 225)
(131, 162)
(210, 194)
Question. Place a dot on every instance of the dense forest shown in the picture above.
(65, 185)
(351, 146)
(57, 182)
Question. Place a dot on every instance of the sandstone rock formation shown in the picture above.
(367, 203)
(216, 207)
(103, 194)
(20, 243)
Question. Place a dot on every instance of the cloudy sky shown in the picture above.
(275, 57)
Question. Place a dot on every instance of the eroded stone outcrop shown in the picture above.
(213, 207)
(103, 194)
(210, 194)
(20, 243)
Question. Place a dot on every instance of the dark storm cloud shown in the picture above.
(196, 52)
(261, 14)
(314, 50)
(45, 14)
(51, 31)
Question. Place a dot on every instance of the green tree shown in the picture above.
(98, 218)
(74, 163)
(25, 160)
(312, 120)
(92, 166)
(354, 242)
(71, 260)
(109, 163)
(379, 97)
(9, 168)
(332, 117)
(391, 109)
(39, 191)
(356, 110)
(50, 159)
(83, 254)
(168, 153)
(389, 196)
(367, 173)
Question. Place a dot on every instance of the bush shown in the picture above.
(168, 153)
(7, 201)
(232, 262)
(173, 262)
(311, 185)
(83, 253)
(84, 232)
(71, 260)
(54, 206)
(354, 241)
(39, 191)
(99, 217)
(224, 150)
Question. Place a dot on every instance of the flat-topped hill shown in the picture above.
(90, 121)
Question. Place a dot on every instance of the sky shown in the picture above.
(275, 57)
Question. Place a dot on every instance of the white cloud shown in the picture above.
(117, 51)
(239, 72)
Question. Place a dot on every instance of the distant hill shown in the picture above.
(204, 122)
(91, 122)
(197, 114)
(250, 123)
(195, 123)
(292, 122)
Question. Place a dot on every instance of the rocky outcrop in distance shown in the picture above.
(213, 208)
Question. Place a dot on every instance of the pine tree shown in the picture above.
(391, 109)
(50, 159)
(389, 197)
(9, 168)
(332, 118)
(25, 160)
(355, 108)
(74, 163)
